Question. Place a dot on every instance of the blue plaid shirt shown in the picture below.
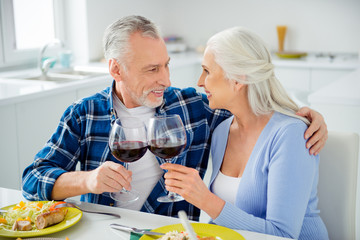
(82, 136)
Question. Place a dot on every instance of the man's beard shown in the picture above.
(143, 101)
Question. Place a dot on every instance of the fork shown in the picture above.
(133, 229)
(74, 206)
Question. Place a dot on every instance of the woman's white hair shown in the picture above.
(117, 35)
(240, 53)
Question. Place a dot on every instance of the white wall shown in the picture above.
(76, 27)
(321, 25)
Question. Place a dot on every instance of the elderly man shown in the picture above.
(139, 64)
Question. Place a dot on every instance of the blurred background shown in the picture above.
(319, 66)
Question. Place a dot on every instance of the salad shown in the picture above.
(175, 235)
(25, 211)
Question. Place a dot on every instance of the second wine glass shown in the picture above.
(167, 139)
(128, 143)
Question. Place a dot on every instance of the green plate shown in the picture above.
(291, 54)
(202, 230)
(73, 216)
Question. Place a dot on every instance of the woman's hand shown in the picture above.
(187, 182)
(317, 132)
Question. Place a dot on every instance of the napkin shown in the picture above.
(135, 236)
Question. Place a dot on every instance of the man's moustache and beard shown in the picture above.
(144, 101)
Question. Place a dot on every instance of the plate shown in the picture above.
(202, 230)
(291, 54)
(72, 217)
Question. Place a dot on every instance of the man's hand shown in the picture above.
(109, 177)
(317, 132)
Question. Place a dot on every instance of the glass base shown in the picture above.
(171, 197)
(125, 196)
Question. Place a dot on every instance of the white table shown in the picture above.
(96, 226)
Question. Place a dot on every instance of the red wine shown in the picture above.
(167, 150)
(128, 151)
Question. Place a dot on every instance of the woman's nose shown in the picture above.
(200, 82)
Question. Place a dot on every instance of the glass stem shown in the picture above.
(171, 195)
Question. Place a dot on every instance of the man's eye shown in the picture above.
(152, 69)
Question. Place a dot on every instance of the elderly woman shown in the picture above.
(264, 179)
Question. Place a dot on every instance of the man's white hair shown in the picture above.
(117, 35)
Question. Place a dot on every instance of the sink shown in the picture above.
(17, 83)
(61, 75)
(64, 76)
(11, 88)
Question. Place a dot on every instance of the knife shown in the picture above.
(186, 224)
(135, 230)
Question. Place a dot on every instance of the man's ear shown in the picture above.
(114, 70)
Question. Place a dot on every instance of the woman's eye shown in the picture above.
(206, 71)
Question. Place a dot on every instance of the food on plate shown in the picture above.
(175, 235)
(44, 238)
(22, 225)
(24, 215)
(50, 218)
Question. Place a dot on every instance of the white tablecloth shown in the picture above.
(96, 226)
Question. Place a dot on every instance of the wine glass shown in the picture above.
(167, 139)
(128, 143)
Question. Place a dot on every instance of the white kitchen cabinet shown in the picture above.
(90, 90)
(300, 82)
(36, 120)
(9, 176)
(185, 76)
(294, 78)
(323, 77)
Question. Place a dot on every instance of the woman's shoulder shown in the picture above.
(284, 128)
(282, 121)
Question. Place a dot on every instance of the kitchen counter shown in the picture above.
(313, 60)
(14, 89)
(19, 90)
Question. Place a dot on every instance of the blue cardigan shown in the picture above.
(277, 194)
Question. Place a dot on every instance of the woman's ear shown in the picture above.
(114, 70)
(238, 86)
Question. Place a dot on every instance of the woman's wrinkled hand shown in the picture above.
(186, 182)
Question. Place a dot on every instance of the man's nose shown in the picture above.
(164, 78)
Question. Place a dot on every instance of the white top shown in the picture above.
(146, 171)
(226, 187)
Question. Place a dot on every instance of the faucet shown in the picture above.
(46, 64)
